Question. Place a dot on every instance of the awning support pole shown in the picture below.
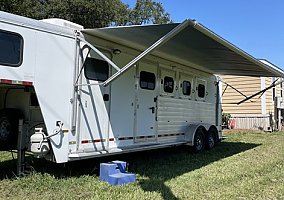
(100, 54)
(158, 43)
(274, 84)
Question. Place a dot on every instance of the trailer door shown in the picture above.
(94, 105)
(145, 112)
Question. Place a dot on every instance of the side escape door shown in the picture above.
(94, 105)
(168, 109)
(145, 109)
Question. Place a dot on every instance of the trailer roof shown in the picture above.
(194, 45)
(39, 25)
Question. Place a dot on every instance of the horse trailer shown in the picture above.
(69, 93)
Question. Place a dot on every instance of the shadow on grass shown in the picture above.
(157, 165)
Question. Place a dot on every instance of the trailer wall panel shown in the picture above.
(174, 115)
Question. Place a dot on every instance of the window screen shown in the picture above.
(147, 80)
(168, 84)
(186, 88)
(201, 90)
(11, 50)
(96, 69)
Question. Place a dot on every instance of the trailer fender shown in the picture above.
(213, 130)
(191, 130)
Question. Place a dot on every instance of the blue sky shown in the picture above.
(255, 26)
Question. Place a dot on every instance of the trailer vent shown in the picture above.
(64, 23)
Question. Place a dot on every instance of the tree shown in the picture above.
(90, 13)
(28, 8)
(149, 11)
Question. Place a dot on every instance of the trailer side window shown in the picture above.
(168, 84)
(186, 88)
(201, 90)
(11, 51)
(147, 80)
(96, 69)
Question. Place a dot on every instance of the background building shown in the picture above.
(260, 112)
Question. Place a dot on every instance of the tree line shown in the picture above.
(90, 13)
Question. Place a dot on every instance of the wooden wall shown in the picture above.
(246, 85)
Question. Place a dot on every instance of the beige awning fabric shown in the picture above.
(194, 45)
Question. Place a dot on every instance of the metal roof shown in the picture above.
(194, 45)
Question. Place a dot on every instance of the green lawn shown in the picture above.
(244, 166)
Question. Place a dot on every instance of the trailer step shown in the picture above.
(115, 173)
(113, 151)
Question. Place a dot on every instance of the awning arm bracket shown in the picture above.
(238, 91)
(224, 90)
(100, 53)
(155, 45)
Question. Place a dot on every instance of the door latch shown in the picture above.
(153, 109)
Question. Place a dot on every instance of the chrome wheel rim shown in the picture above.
(210, 141)
(199, 143)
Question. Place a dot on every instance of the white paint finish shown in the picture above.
(94, 118)
(47, 62)
(103, 89)
(175, 115)
(145, 116)
(63, 23)
(31, 24)
(25, 72)
(94, 111)
(53, 85)
(122, 102)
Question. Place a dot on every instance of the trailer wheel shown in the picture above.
(199, 142)
(9, 121)
(210, 139)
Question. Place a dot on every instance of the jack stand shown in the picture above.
(21, 150)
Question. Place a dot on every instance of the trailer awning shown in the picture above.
(192, 45)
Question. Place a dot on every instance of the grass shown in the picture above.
(244, 166)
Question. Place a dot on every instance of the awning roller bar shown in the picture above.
(190, 52)
(237, 50)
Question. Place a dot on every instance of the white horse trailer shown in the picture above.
(68, 93)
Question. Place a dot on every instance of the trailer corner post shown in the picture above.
(74, 97)
(218, 102)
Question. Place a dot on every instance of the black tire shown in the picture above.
(199, 142)
(210, 139)
(9, 122)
